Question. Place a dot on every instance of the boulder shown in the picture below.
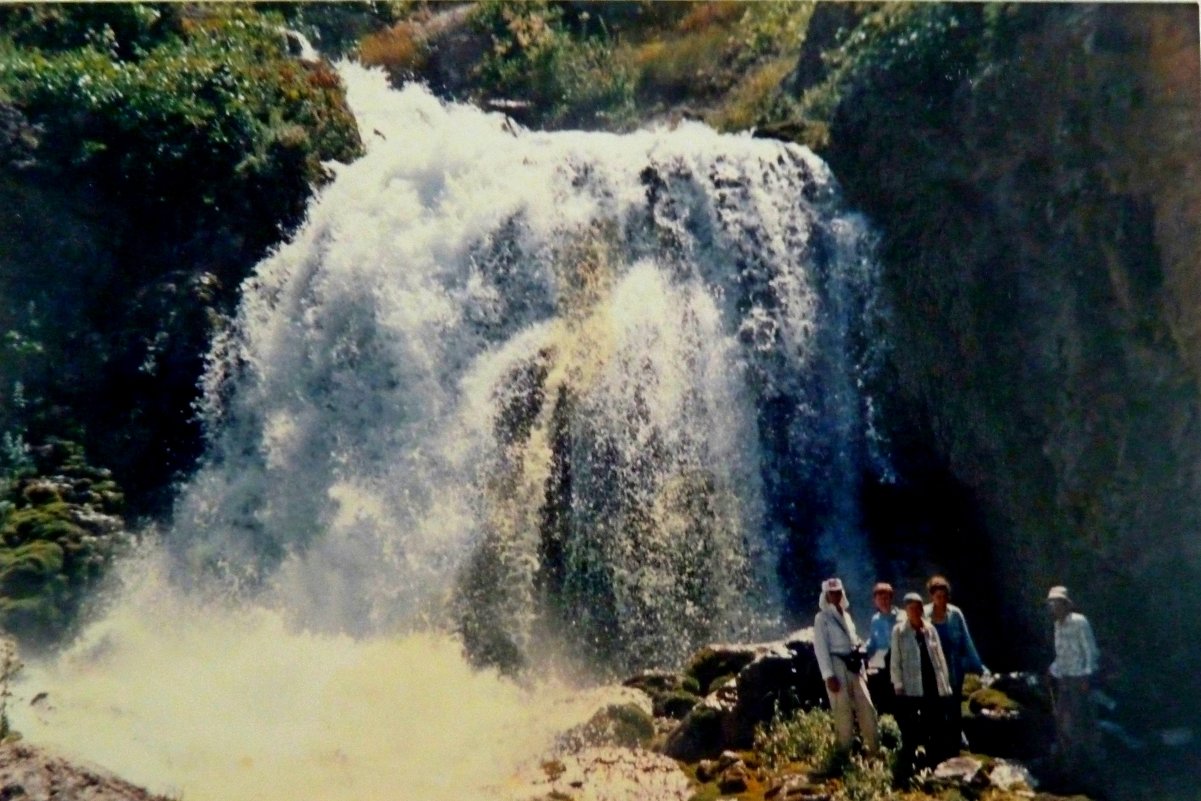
(28, 773)
(780, 679)
(625, 725)
(720, 659)
(1011, 717)
(959, 772)
(1010, 776)
(734, 779)
(701, 734)
(771, 677)
(672, 695)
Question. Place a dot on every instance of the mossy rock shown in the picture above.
(654, 682)
(625, 725)
(52, 521)
(714, 662)
(675, 704)
(40, 493)
(992, 700)
(698, 736)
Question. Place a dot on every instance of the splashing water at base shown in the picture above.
(214, 703)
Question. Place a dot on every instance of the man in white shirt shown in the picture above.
(834, 639)
(1076, 660)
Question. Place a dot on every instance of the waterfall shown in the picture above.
(546, 388)
(569, 399)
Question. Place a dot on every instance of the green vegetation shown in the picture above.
(538, 56)
(185, 111)
(149, 157)
(805, 736)
(59, 527)
(607, 65)
(153, 154)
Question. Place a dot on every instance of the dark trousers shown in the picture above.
(879, 684)
(1074, 725)
(926, 724)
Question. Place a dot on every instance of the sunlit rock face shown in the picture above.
(578, 389)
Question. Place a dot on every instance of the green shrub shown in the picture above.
(190, 110)
(768, 30)
(805, 736)
(570, 78)
(866, 779)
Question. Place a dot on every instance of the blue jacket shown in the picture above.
(881, 628)
(962, 657)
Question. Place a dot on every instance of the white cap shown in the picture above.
(1058, 593)
(832, 585)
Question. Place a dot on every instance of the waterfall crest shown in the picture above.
(542, 387)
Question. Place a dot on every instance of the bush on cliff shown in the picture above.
(193, 113)
(537, 56)
(150, 155)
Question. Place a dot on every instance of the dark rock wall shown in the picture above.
(1037, 192)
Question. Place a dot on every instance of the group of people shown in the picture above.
(914, 664)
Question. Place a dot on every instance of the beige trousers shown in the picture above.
(852, 702)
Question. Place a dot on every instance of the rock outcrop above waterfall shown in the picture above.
(28, 773)
(1035, 171)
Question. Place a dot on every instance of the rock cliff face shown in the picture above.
(1034, 172)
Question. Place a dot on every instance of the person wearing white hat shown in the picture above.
(1076, 660)
(836, 643)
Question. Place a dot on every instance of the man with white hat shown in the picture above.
(836, 644)
(1076, 660)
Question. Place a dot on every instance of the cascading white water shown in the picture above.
(574, 372)
(543, 391)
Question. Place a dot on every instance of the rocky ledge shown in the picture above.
(28, 773)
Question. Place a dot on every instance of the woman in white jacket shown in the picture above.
(922, 683)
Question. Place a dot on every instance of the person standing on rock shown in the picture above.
(957, 644)
(879, 646)
(1076, 660)
(921, 680)
(836, 645)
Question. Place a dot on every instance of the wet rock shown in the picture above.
(672, 695)
(734, 779)
(701, 732)
(707, 770)
(963, 773)
(28, 773)
(783, 678)
(768, 677)
(626, 725)
(603, 774)
(797, 788)
(718, 660)
(1010, 776)
(662, 681)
